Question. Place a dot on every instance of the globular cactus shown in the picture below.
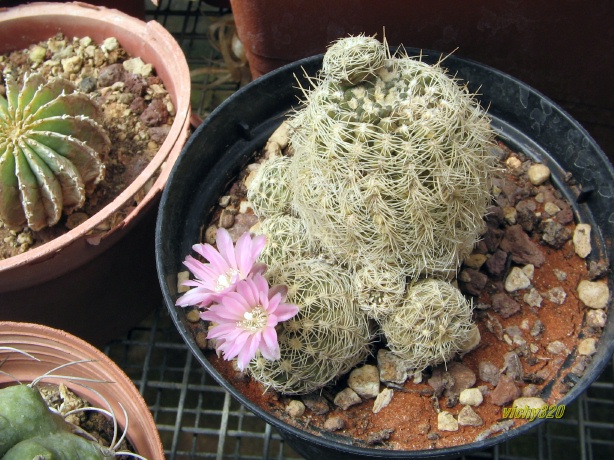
(392, 163)
(327, 337)
(286, 240)
(269, 191)
(430, 326)
(29, 430)
(379, 289)
(52, 151)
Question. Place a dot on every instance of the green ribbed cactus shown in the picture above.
(52, 151)
(430, 326)
(327, 337)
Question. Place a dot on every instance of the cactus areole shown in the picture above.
(52, 151)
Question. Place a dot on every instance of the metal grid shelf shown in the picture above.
(197, 419)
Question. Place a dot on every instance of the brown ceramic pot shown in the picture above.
(54, 348)
(559, 49)
(97, 288)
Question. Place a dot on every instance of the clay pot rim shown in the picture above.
(170, 149)
(58, 345)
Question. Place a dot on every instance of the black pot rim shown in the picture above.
(606, 347)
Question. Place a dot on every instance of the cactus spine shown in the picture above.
(52, 151)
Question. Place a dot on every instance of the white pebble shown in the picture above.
(446, 422)
(365, 381)
(517, 279)
(594, 294)
(587, 347)
(596, 318)
(382, 400)
(582, 240)
(468, 417)
(538, 173)
(471, 397)
(532, 402)
(181, 277)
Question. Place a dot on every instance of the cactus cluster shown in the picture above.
(52, 151)
(388, 183)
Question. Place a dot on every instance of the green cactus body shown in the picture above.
(52, 151)
(430, 326)
(28, 429)
(24, 414)
(328, 337)
(62, 445)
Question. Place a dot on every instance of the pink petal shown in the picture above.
(258, 243)
(220, 314)
(258, 268)
(198, 269)
(225, 247)
(218, 263)
(235, 302)
(248, 352)
(269, 347)
(227, 332)
(280, 289)
(197, 297)
(243, 254)
(285, 311)
(237, 345)
(248, 291)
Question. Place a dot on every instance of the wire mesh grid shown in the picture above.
(197, 418)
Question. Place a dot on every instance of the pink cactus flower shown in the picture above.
(244, 321)
(227, 265)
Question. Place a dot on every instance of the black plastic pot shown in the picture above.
(226, 141)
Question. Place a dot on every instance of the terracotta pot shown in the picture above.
(134, 8)
(53, 348)
(97, 288)
(557, 50)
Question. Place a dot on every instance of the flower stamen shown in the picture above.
(227, 279)
(254, 320)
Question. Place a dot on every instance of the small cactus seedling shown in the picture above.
(52, 151)
(430, 326)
